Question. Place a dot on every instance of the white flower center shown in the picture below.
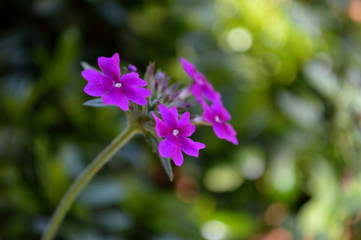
(118, 85)
(217, 119)
(175, 132)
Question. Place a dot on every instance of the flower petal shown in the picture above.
(136, 94)
(110, 66)
(116, 97)
(210, 93)
(225, 131)
(219, 130)
(206, 87)
(162, 129)
(190, 147)
(231, 134)
(173, 139)
(167, 149)
(186, 129)
(97, 83)
(132, 79)
(197, 90)
(188, 67)
(170, 117)
(200, 79)
(208, 114)
(184, 120)
(178, 157)
(221, 111)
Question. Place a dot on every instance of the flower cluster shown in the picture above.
(171, 132)
(216, 115)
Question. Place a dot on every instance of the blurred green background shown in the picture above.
(289, 72)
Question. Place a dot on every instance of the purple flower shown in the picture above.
(176, 135)
(113, 88)
(201, 85)
(217, 115)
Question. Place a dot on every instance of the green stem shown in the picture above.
(84, 178)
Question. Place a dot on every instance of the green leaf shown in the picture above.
(154, 141)
(96, 102)
(86, 65)
(167, 166)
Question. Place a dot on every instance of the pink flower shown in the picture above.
(176, 135)
(113, 88)
(217, 115)
(201, 85)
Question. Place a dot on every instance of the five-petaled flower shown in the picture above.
(217, 115)
(201, 85)
(113, 88)
(176, 135)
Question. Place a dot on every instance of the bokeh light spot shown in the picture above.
(239, 39)
(279, 234)
(284, 180)
(253, 167)
(355, 10)
(275, 214)
(251, 162)
(214, 230)
(187, 189)
(222, 179)
(228, 8)
(271, 36)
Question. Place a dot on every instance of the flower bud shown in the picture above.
(131, 68)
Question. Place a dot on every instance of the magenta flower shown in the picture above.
(176, 135)
(201, 85)
(113, 88)
(217, 115)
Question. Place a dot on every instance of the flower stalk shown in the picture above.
(82, 180)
